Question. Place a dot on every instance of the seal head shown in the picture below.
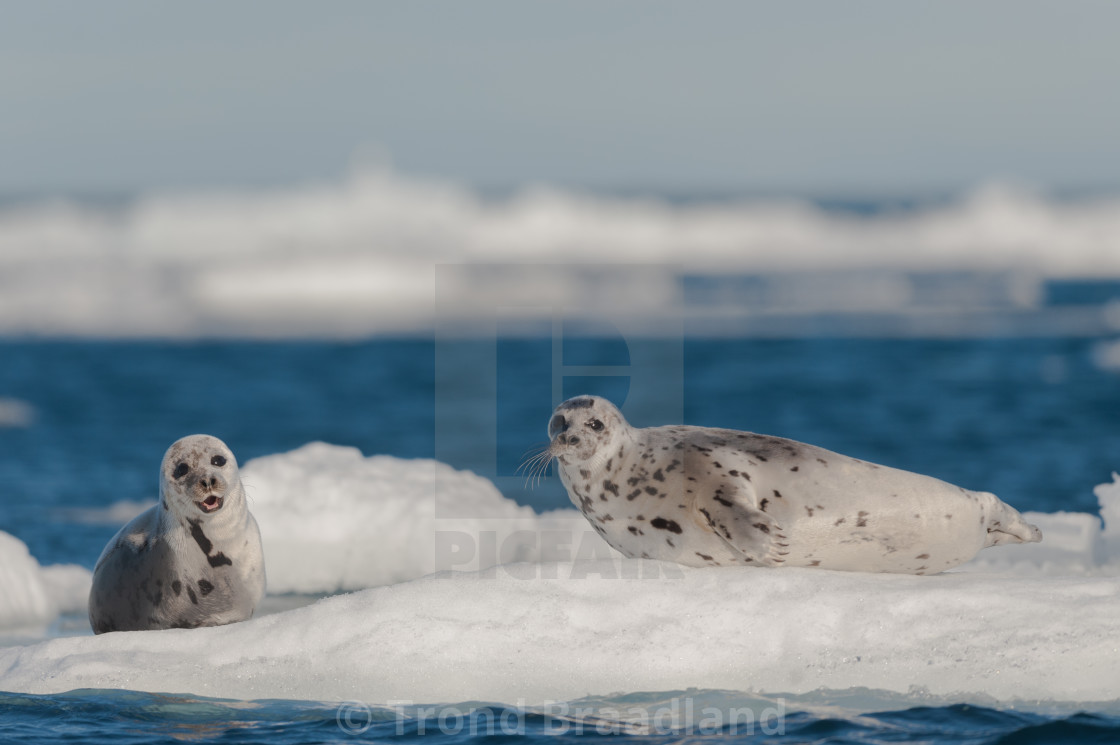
(584, 430)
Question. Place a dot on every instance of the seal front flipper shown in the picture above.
(747, 531)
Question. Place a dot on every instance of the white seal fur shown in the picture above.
(195, 559)
(714, 497)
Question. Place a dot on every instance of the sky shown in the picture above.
(806, 96)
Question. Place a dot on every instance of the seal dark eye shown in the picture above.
(181, 470)
(595, 425)
(218, 460)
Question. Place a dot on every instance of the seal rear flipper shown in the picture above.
(748, 532)
(1018, 531)
(1006, 524)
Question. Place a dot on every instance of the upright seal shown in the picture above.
(715, 497)
(194, 559)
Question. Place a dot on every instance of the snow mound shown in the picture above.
(31, 596)
(332, 519)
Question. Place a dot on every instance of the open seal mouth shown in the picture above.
(212, 503)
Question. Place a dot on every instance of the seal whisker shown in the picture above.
(536, 449)
(530, 457)
(535, 466)
(536, 469)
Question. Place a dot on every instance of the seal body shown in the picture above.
(715, 497)
(195, 559)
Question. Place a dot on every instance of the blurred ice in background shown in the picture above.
(358, 257)
(168, 173)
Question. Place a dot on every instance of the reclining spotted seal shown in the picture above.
(715, 497)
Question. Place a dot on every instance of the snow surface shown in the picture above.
(559, 631)
(365, 255)
(563, 617)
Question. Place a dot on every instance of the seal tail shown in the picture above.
(1006, 525)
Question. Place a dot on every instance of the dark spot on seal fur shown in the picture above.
(585, 473)
(632, 481)
(763, 527)
(205, 587)
(635, 530)
(662, 524)
(651, 490)
(634, 494)
(578, 403)
(809, 510)
(200, 537)
(658, 475)
(777, 494)
(922, 556)
(795, 468)
(815, 563)
(177, 587)
(165, 507)
(219, 559)
(762, 504)
(839, 522)
(705, 557)
(717, 464)
(721, 500)
(191, 595)
(610, 486)
(822, 461)
(861, 522)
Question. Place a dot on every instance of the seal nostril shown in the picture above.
(573, 440)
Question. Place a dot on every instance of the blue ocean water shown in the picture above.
(1031, 419)
(127, 717)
